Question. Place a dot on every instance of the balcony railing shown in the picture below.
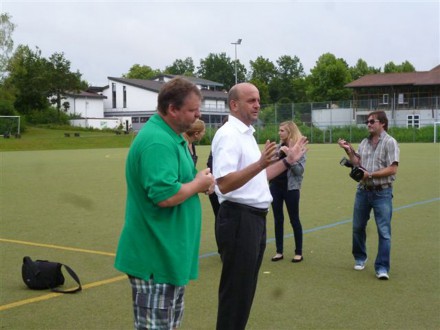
(203, 109)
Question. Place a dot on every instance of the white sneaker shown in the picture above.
(382, 275)
(360, 265)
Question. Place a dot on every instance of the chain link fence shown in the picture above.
(326, 122)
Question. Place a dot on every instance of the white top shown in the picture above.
(233, 148)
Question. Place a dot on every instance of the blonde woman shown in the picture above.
(194, 134)
(285, 188)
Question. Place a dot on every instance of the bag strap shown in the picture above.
(74, 276)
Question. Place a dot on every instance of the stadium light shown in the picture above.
(238, 42)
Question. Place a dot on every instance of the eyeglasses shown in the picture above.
(371, 121)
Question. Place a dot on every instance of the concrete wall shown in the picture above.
(325, 118)
(86, 107)
(138, 99)
(97, 123)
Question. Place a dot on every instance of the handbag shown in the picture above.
(43, 274)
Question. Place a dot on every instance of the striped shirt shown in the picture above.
(385, 153)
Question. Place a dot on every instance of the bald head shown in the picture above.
(244, 102)
(237, 91)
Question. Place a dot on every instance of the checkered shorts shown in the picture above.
(156, 306)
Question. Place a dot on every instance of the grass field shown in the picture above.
(68, 206)
(52, 139)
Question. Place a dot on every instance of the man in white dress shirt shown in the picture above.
(242, 172)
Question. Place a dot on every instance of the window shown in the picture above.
(135, 120)
(124, 96)
(385, 98)
(113, 95)
(401, 99)
(361, 119)
(413, 121)
(144, 119)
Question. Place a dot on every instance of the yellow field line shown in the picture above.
(54, 294)
(57, 247)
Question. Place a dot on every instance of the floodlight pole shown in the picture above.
(238, 42)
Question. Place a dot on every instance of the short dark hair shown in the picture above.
(174, 92)
(381, 116)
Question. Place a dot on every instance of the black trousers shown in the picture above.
(291, 198)
(213, 198)
(241, 234)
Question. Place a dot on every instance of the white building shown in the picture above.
(409, 99)
(137, 99)
(89, 108)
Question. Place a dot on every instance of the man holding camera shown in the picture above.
(378, 158)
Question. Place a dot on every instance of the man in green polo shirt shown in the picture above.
(159, 244)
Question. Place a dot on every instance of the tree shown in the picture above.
(220, 68)
(290, 67)
(7, 99)
(361, 69)
(263, 89)
(328, 79)
(28, 74)
(262, 70)
(261, 74)
(300, 87)
(61, 79)
(289, 70)
(181, 67)
(406, 66)
(141, 72)
(6, 42)
(37, 80)
(7, 92)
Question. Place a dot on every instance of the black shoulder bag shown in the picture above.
(43, 274)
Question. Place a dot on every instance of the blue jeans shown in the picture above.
(291, 198)
(381, 203)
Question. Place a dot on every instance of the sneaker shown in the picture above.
(360, 265)
(382, 275)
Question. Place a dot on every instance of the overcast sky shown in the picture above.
(105, 38)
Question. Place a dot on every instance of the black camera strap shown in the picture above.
(351, 150)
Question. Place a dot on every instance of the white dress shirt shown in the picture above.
(233, 148)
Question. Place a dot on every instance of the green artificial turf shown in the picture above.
(54, 139)
(68, 206)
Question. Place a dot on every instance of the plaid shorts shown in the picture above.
(156, 306)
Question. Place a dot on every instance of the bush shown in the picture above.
(48, 116)
(7, 108)
(353, 134)
(10, 125)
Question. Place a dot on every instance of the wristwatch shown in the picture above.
(286, 163)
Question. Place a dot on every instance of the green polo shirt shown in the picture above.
(162, 242)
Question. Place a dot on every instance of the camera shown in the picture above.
(281, 154)
(356, 173)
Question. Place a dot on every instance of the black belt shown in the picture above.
(254, 210)
(375, 188)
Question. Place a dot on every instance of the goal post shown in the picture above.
(10, 125)
(436, 130)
